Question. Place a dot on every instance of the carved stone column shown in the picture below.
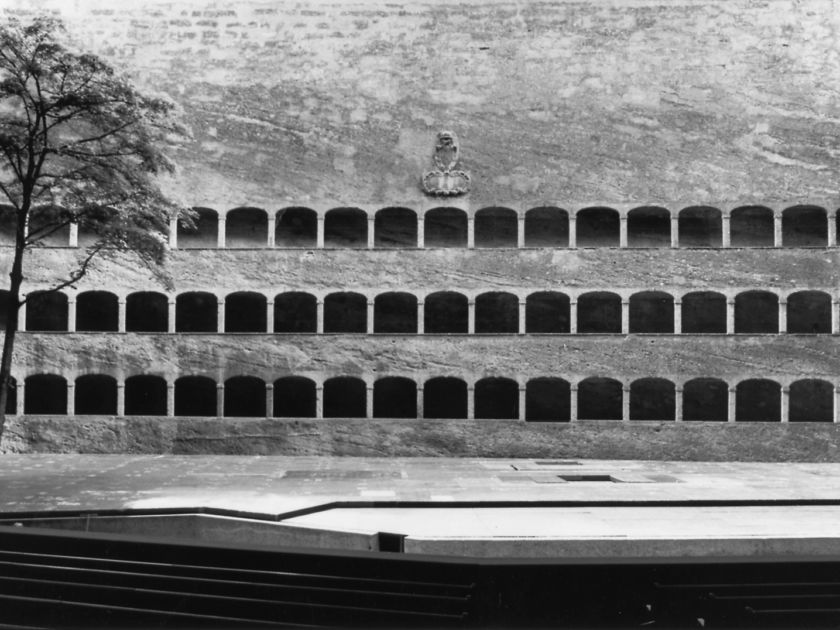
(471, 317)
(370, 313)
(622, 233)
(520, 232)
(371, 237)
(319, 237)
(675, 231)
(173, 233)
(71, 397)
(421, 317)
(572, 231)
(269, 316)
(221, 240)
(573, 317)
(171, 315)
(170, 399)
(121, 315)
(625, 316)
(522, 314)
(21, 396)
(120, 397)
(726, 231)
(573, 403)
(319, 316)
(471, 401)
(220, 317)
(523, 399)
(731, 404)
(420, 411)
(470, 232)
(71, 312)
(777, 230)
(269, 400)
(625, 403)
(319, 400)
(782, 316)
(369, 402)
(677, 317)
(678, 404)
(785, 415)
(220, 400)
(730, 316)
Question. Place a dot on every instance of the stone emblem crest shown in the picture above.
(445, 179)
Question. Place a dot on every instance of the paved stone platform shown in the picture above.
(511, 503)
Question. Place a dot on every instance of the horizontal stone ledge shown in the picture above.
(686, 441)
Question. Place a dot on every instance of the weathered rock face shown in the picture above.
(677, 102)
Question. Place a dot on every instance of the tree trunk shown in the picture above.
(12, 310)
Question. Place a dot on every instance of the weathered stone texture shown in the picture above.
(641, 100)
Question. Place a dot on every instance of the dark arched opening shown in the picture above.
(597, 227)
(758, 400)
(649, 226)
(294, 397)
(651, 312)
(96, 394)
(4, 308)
(809, 312)
(811, 400)
(245, 397)
(8, 224)
(11, 397)
(245, 311)
(706, 399)
(652, 399)
(496, 312)
(704, 312)
(395, 227)
(804, 226)
(345, 313)
(547, 227)
(196, 311)
(97, 311)
(751, 226)
(445, 227)
(446, 312)
(246, 227)
(345, 397)
(547, 312)
(547, 400)
(295, 312)
(345, 227)
(600, 399)
(495, 227)
(599, 312)
(394, 397)
(395, 313)
(756, 312)
(46, 311)
(445, 397)
(700, 226)
(145, 396)
(496, 399)
(45, 394)
(49, 226)
(296, 227)
(203, 233)
(195, 396)
(146, 311)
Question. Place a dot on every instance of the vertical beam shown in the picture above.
(21, 396)
(369, 402)
(678, 404)
(522, 401)
(370, 311)
(170, 399)
(170, 322)
(421, 317)
(319, 235)
(221, 240)
(625, 316)
(470, 232)
(173, 232)
(220, 316)
(782, 316)
(625, 403)
(272, 229)
(785, 404)
(777, 230)
(71, 397)
(520, 231)
(120, 397)
(371, 237)
(22, 315)
(835, 316)
(573, 317)
(573, 403)
(74, 236)
(269, 316)
(572, 231)
(677, 316)
(269, 400)
(220, 399)
(71, 312)
(121, 314)
(421, 232)
(831, 231)
(726, 230)
(319, 400)
(319, 318)
(471, 317)
(730, 414)
(522, 312)
(471, 401)
(420, 410)
(675, 231)
(622, 231)
(730, 316)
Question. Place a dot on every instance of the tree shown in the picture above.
(80, 145)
